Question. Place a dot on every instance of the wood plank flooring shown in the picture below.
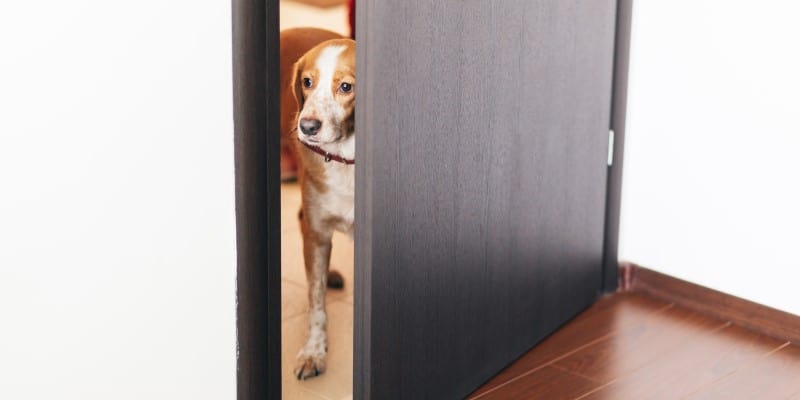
(631, 346)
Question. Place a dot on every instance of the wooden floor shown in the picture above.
(630, 346)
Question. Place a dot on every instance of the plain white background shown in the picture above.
(117, 241)
(711, 188)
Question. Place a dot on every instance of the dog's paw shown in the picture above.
(309, 365)
(335, 280)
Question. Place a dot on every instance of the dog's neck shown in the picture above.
(342, 151)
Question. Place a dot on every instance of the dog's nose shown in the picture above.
(309, 126)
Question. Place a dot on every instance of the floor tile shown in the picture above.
(774, 376)
(293, 299)
(545, 383)
(298, 393)
(649, 341)
(337, 381)
(612, 314)
(290, 205)
(699, 361)
(629, 346)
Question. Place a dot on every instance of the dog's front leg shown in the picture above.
(317, 252)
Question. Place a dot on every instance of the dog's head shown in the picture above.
(324, 83)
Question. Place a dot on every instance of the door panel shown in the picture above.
(482, 148)
(255, 51)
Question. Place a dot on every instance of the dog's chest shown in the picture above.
(339, 199)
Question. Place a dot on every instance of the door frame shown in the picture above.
(619, 109)
(255, 53)
(256, 112)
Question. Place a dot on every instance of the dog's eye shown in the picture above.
(345, 87)
(307, 82)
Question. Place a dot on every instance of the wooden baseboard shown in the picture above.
(756, 317)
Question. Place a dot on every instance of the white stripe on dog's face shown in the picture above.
(326, 65)
(321, 103)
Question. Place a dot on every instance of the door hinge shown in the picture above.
(610, 147)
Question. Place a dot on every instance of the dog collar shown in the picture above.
(328, 156)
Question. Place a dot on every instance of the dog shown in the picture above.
(323, 85)
(293, 44)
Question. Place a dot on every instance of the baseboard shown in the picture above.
(756, 317)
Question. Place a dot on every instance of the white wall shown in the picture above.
(117, 242)
(712, 166)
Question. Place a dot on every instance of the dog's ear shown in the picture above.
(297, 83)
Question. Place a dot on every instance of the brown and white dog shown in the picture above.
(295, 43)
(323, 84)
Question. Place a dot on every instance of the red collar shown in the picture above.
(328, 156)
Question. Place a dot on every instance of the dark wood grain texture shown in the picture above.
(256, 113)
(483, 130)
(753, 316)
(619, 109)
(364, 206)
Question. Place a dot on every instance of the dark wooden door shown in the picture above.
(481, 184)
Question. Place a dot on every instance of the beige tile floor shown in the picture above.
(337, 382)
